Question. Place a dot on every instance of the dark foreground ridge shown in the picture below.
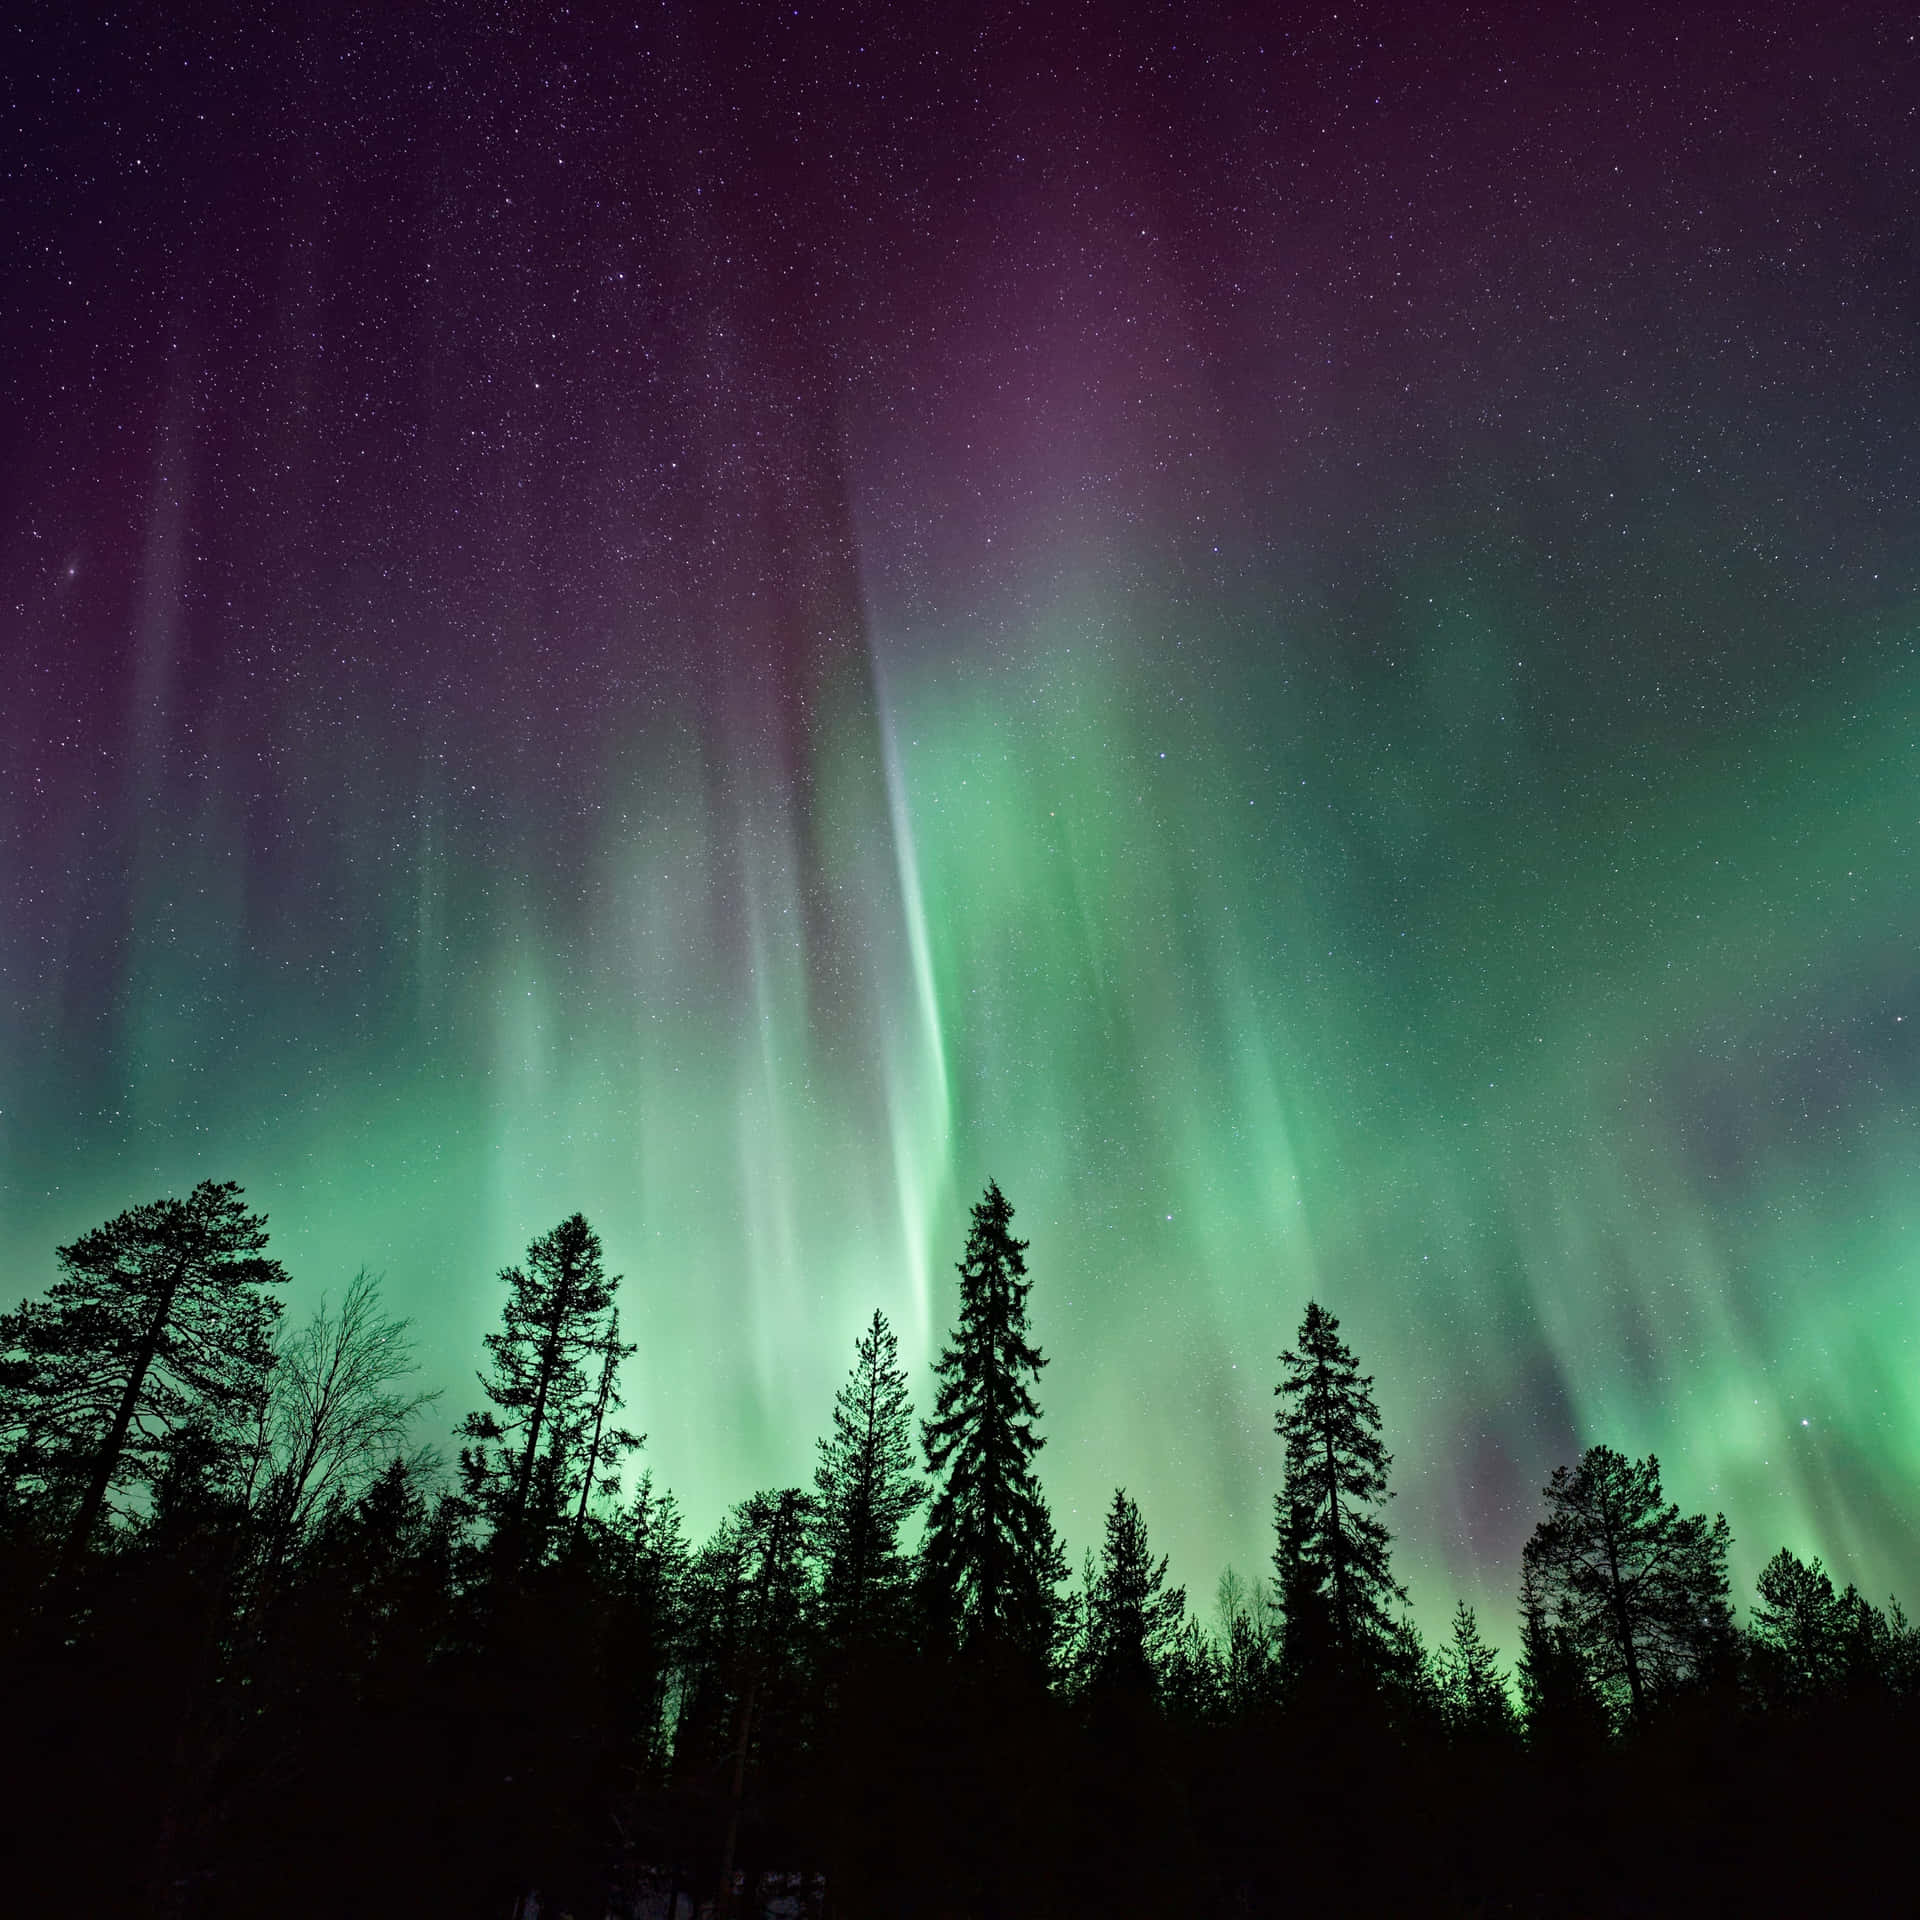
(263, 1655)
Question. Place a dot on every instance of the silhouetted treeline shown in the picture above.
(263, 1653)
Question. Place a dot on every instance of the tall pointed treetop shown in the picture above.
(1331, 1561)
(527, 1458)
(867, 1484)
(990, 1561)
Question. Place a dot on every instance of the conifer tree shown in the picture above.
(1331, 1563)
(1473, 1695)
(1192, 1678)
(605, 1447)
(1897, 1650)
(645, 1566)
(991, 1564)
(381, 1567)
(1562, 1712)
(555, 1323)
(752, 1610)
(744, 1686)
(1133, 1616)
(1408, 1677)
(1811, 1642)
(1073, 1630)
(1799, 1630)
(1635, 1589)
(160, 1321)
(1249, 1654)
(866, 1486)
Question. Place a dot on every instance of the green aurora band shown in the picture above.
(1550, 1083)
(1305, 653)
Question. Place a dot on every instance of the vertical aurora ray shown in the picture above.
(1521, 1205)
(919, 1094)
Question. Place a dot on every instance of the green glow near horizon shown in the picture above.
(1503, 1052)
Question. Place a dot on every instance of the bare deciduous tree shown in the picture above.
(337, 1415)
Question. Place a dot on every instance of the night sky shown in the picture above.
(1296, 640)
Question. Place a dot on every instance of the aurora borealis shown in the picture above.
(1299, 643)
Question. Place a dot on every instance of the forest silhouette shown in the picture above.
(265, 1652)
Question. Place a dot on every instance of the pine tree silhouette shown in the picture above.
(1473, 1695)
(991, 1564)
(1331, 1561)
(866, 1485)
(159, 1322)
(1134, 1617)
(1799, 1631)
(605, 1447)
(745, 1687)
(1635, 1589)
(1562, 1712)
(644, 1568)
(554, 1323)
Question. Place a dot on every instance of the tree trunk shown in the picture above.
(1623, 1627)
(1338, 1544)
(724, 1905)
(523, 1480)
(599, 1421)
(95, 1496)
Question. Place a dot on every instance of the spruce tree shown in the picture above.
(867, 1484)
(1872, 1653)
(990, 1562)
(1408, 1677)
(160, 1321)
(605, 1447)
(1562, 1712)
(1331, 1563)
(1192, 1677)
(644, 1570)
(1813, 1642)
(555, 1325)
(1634, 1588)
(1133, 1616)
(745, 1682)
(1473, 1695)
(752, 1613)
(1799, 1631)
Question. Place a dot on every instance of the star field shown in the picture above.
(1297, 640)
